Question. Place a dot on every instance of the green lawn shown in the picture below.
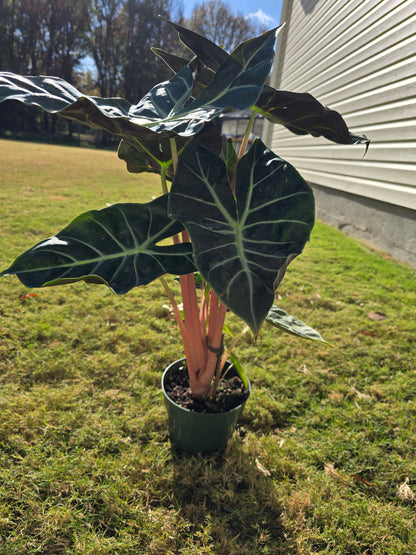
(327, 441)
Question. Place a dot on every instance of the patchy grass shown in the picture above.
(325, 443)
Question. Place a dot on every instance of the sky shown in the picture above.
(266, 12)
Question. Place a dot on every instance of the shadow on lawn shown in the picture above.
(230, 498)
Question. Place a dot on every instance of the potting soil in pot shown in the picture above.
(231, 392)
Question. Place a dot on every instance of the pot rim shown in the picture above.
(208, 414)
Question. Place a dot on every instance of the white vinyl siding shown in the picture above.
(357, 57)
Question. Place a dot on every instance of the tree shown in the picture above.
(105, 44)
(41, 37)
(216, 21)
(8, 43)
(66, 24)
(52, 37)
(143, 27)
(31, 30)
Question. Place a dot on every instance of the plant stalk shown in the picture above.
(219, 371)
(174, 152)
(246, 138)
(243, 146)
(182, 328)
(163, 180)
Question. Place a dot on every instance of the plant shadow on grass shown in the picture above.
(232, 499)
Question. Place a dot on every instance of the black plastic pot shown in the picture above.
(198, 432)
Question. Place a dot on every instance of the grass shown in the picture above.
(327, 438)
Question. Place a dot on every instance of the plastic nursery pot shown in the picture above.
(199, 432)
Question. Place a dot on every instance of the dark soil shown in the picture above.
(231, 392)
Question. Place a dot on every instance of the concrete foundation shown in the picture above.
(386, 227)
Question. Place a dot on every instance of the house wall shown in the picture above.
(359, 58)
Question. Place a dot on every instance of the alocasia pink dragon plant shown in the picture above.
(236, 220)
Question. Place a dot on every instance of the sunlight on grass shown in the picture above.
(325, 442)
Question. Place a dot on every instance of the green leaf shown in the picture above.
(118, 246)
(207, 51)
(243, 244)
(148, 156)
(156, 152)
(227, 330)
(173, 61)
(238, 82)
(201, 74)
(230, 156)
(210, 137)
(165, 109)
(162, 110)
(231, 81)
(155, 113)
(239, 369)
(302, 114)
(279, 318)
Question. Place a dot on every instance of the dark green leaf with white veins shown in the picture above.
(149, 156)
(156, 152)
(281, 319)
(155, 113)
(301, 113)
(165, 109)
(117, 246)
(201, 74)
(239, 81)
(210, 53)
(243, 244)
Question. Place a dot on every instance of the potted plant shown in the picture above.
(228, 224)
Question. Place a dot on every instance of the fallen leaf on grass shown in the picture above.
(359, 479)
(359, 394)
(369, 333)
(376, 315)
(28, 296)
(330, 471)
(336, 396)
(261, 468)
(405, 493)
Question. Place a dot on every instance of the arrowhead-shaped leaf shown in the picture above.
(212, 55)
(201, 74)
(155, 113)
(173, 61)
(302, 114)
(165, 109)
(118, 246)
(238, 82)
(160, 111)
(279, 318)
(154, 154)
(148, 156)
(243, 243)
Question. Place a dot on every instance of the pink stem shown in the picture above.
(192, 313)
(182, 328)
(217, 314)
(203, 312)
(213, 312)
